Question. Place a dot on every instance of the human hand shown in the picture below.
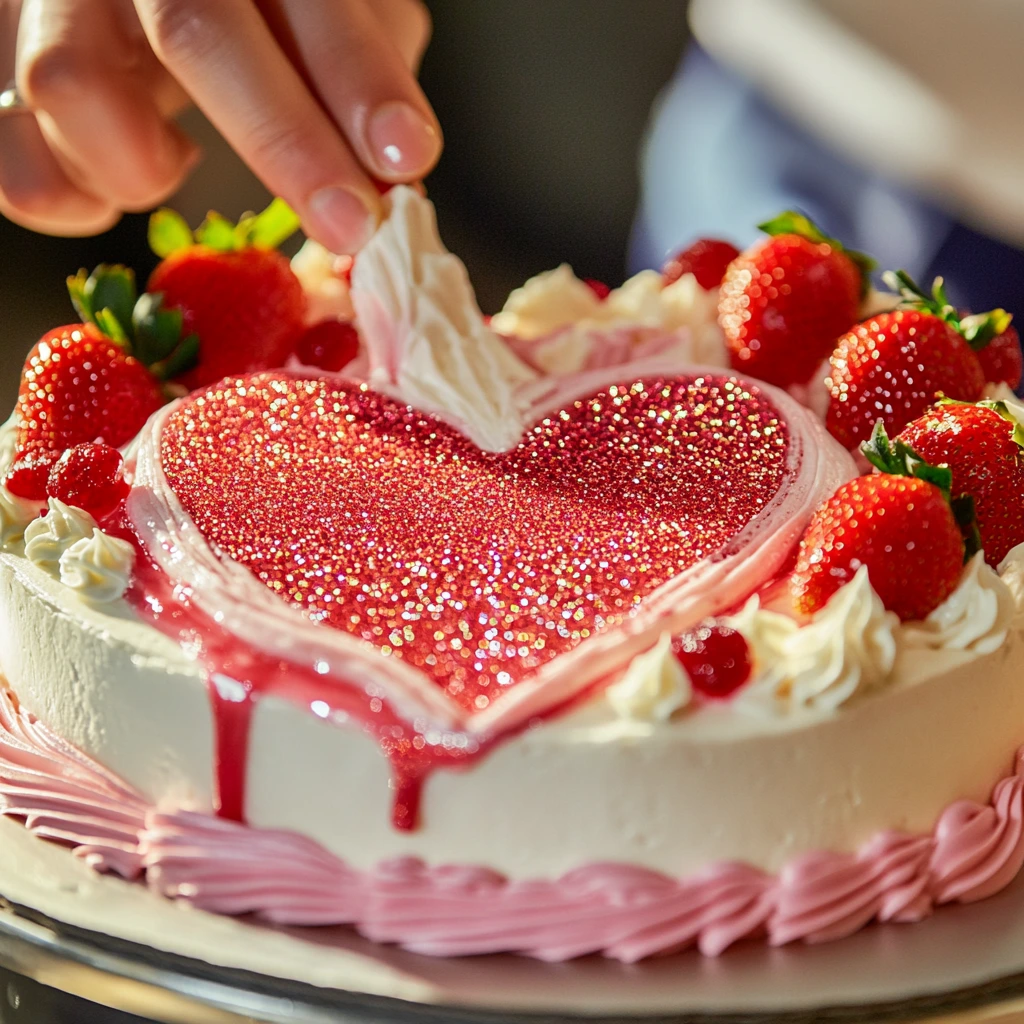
(317, 96)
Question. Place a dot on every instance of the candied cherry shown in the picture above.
(716, 658)
(90, 477)
(706, 259)
(328, 345)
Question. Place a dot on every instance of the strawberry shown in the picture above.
(90, 477)
(900, 524)
(981, 445)
(99, 380)
(707, 259)
(1001, 359)
(893, 366)
(235, 291)
(599, 288)
(784, 302)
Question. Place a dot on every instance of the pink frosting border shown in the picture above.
(625, 912)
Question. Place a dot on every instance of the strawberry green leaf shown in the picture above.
(218, 233)
(108, 323)
(966, 518)
(899, 459)
(878, 451)
(792, 222)
(112, 287)
(183, 358)
(980, 328)
(157, 330)
(267, 230)
(1002, 409)
(168, 232)
(79, 296)
(977, 329)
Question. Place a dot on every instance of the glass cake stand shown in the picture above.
(78, 948)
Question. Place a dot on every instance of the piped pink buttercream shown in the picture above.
(625, 912)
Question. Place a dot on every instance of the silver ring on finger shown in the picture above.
(11, 101)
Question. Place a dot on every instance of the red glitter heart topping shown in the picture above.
(475, 567)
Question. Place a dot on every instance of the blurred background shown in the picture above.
(603, 135)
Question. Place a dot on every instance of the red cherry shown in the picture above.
(706, 259)
(90, 477)
(328, 345)
(599, 288)
(716, 658)
(27, 477)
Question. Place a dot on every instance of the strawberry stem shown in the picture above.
(169, 232)
(138, 324)
(899, 459)
(977, 329)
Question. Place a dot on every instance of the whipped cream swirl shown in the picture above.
(654, 687)
(98, 567)
(425, 336)
(559, 324)
(1011, 572)
(976, 617)
(46, 539)
(847, 649)
(15, 515)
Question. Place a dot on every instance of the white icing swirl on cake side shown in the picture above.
(976, 617)
(654, 686)
(46, 539)
(847, 649)
(98, 567)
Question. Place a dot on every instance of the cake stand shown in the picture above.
(115, 944)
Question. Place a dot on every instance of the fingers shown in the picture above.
(226, 57)
(407, 24)
(36, 192)
(376, 101)
(81, 74)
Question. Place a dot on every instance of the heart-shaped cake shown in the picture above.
(549, 633)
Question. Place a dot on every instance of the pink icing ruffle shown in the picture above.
(624, 912)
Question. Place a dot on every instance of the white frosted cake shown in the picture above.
(559, 633)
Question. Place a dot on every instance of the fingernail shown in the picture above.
(340, 220)
(404, 141)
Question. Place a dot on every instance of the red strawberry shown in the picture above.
(94, 381)
(893, 366)
(784, 302)
(1001, 359)
(599, 288)
(981, 445)
(91, 477)
(234, 290)
(902, 527)
(707, 259)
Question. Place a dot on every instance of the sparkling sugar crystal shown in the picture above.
(476, 567)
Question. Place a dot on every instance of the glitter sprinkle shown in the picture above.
(476, 567)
